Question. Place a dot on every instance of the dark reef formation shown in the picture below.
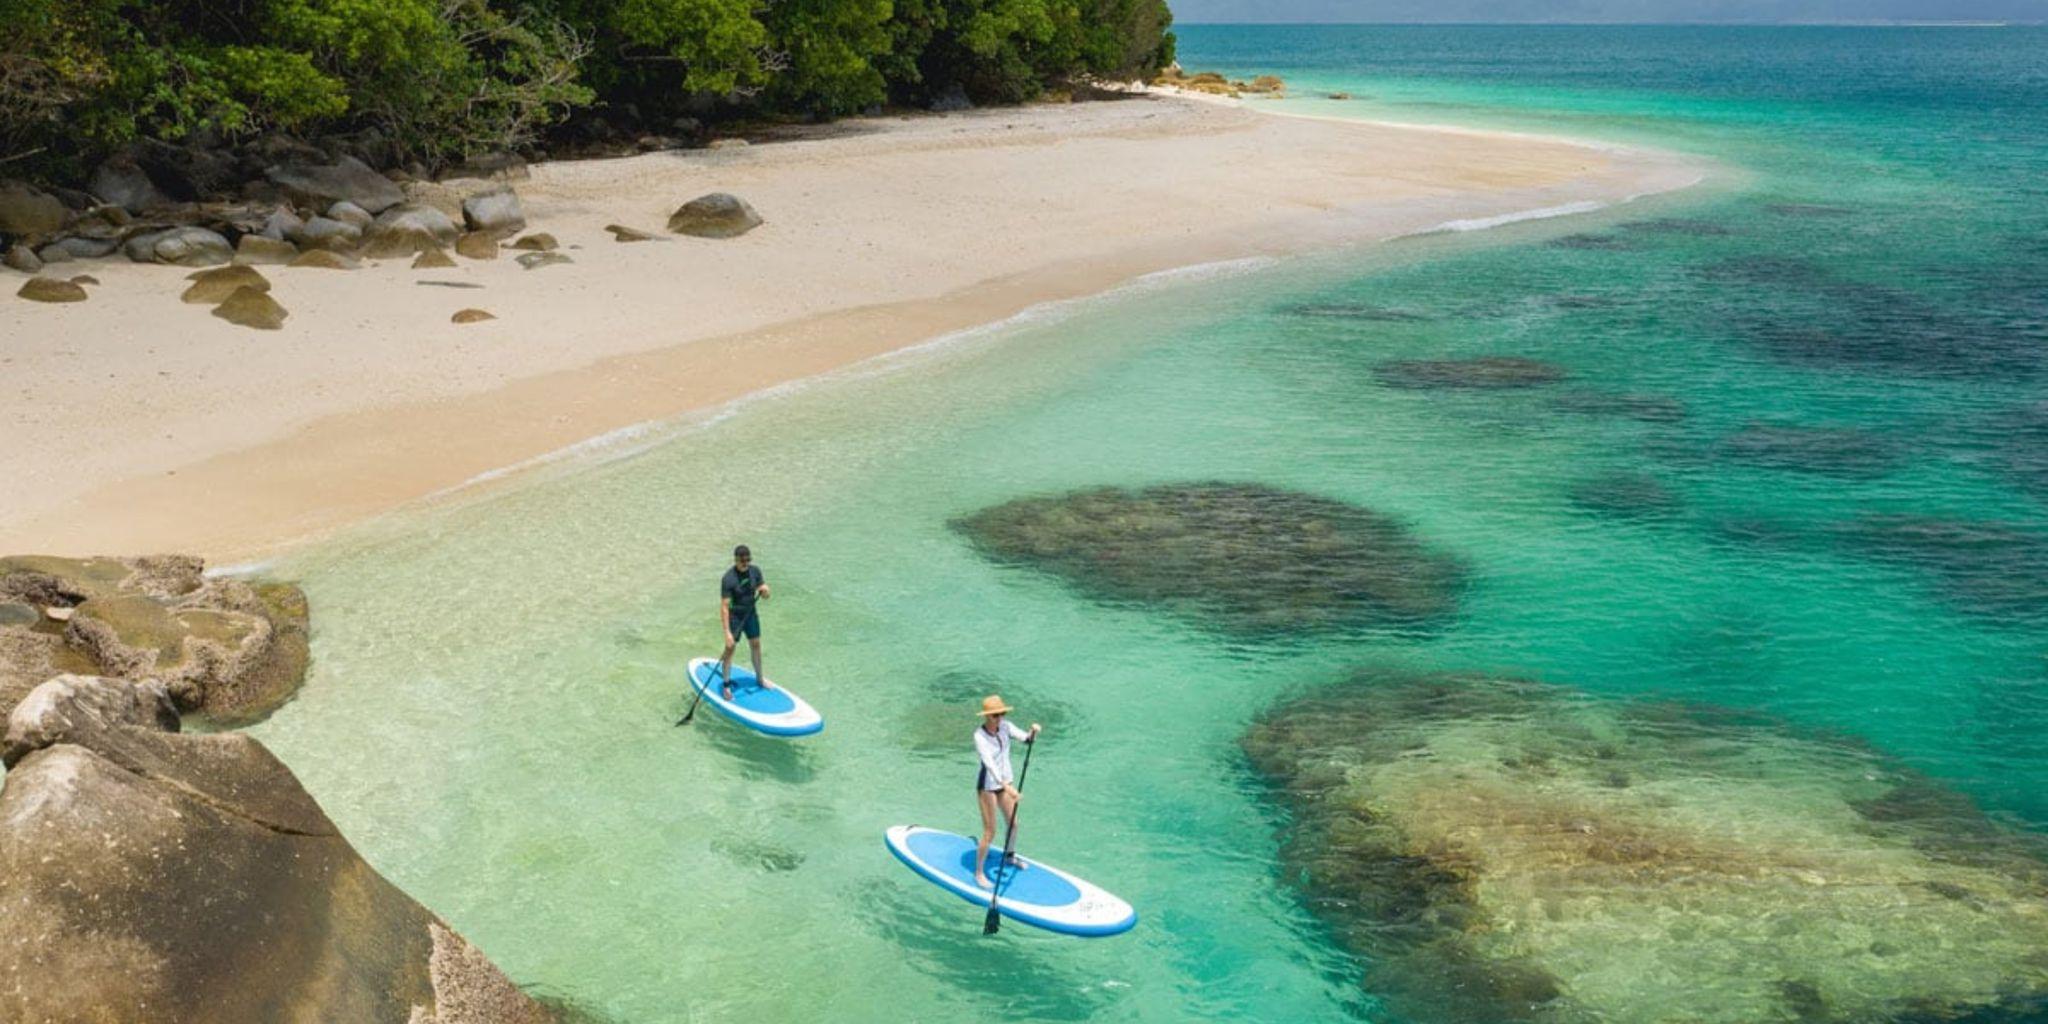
(1245, 559)
(1486, 373)
(1498, 850)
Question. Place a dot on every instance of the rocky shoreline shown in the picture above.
(153, 875)
(283, 203)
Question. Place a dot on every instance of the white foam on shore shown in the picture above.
(1514, 217)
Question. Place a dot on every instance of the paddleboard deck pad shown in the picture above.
(1033, 893)
(775, 711)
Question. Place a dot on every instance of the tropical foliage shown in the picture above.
(436, 80)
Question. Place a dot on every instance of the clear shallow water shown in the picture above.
(495, 680)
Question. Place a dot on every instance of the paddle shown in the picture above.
(993, 922)
(692, 713)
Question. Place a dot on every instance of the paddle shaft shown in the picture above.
(994, 922)
(723, 672)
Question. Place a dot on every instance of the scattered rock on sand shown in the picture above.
(476, 245)
(256, 249)
(496, 212)
(170, 876)
(230, 649)
(432, 259)
(183, 247)
(718, 215)
(1492, 850)
(212, 286)
(84, 279)
(1246, 559)
(320, 186)
(252, 307)
(22, 258)
(470, 316)
(27, 212)
(536, 260)
(449, 284)
(404, 230)
(622, 233)
(1485, 373)
(50, 289)
(324, 259)
(539, 241)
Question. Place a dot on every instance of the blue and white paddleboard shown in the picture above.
(775, 711)
(1034, 893)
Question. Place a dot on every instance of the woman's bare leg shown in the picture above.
(988, 835)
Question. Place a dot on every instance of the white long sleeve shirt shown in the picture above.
(995, 753)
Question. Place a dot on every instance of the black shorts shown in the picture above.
(748, 625)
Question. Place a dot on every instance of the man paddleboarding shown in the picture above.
(994, 786)
(738, 614)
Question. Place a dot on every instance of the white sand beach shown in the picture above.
(140, 423)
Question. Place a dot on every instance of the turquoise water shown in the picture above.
(1855, 329)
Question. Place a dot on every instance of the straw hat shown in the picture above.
(993, 705)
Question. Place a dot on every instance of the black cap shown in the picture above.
(742, 552)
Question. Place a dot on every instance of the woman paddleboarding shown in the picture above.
(994, 785)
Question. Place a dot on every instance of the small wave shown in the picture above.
(1515, 217)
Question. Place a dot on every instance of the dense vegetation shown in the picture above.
(436, 80)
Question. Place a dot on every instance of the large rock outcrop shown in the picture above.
(153, 877)
(1245, 559)
(1496, 850)
(345, 180)
(229, 649)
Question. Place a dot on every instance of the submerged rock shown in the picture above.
(1678, 226)
(1998, 570)
(718, 215)
(1245, 559)
(1828, 451)
(1495, 850)
(1625, 495)
(1592, 242)
(2021, 439)
(229, 649)
(1362, 311)
(1484, 373)
(176, 877)
(934, 726)
(1643, 407)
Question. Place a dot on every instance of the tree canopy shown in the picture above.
(442, 79)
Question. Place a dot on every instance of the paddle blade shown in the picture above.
(994, 921)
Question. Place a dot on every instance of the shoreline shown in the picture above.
(269, 480)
